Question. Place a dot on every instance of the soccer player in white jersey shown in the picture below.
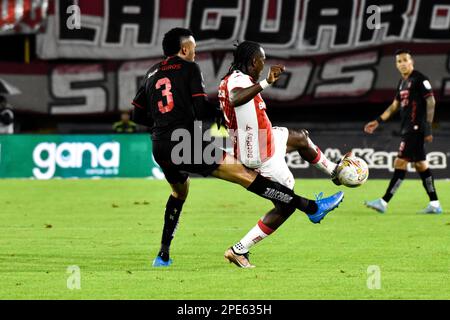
(257, 144)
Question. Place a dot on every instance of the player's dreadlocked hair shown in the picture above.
(402, 50)
(243, 55)
(172, 40)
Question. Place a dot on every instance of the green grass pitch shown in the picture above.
(111, 230)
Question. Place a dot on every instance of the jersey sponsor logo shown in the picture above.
(104, 159)
(249, 142)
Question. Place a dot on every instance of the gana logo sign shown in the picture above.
(47, 156)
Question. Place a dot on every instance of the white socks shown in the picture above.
(255, 235)
(435, 204)
(321, 162)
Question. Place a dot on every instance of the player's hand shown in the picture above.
(371, 126)
(429, 138)
(275, 72)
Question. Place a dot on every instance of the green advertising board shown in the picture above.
(77, 156)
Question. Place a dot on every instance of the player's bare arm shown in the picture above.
(371, 126)
(240, 96)
(431, 104)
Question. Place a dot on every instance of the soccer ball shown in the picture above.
(352, 171)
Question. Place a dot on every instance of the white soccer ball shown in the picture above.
(352, 171)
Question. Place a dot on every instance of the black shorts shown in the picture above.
(177, 161)
(412, 147)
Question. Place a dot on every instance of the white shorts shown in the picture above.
(276, 168)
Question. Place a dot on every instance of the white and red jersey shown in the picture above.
(249, 127)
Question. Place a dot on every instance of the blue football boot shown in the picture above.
(326, 205)
(159, 262)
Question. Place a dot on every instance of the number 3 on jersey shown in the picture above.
(165, 93)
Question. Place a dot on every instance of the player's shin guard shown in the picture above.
(280, 194)
(171, 217)
(428, 184)
(396, 181)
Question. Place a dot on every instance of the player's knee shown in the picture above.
(181, 191)
(239, 174)
(421, 166)
(247, 176)
(299, 138)
(400, 164)
(305, 133)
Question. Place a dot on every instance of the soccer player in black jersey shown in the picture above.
(416, 102)
(170, 100)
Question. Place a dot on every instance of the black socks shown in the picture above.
(399, 176)
(275, 191)
(396, 181)
(171, 217)
(428, 184)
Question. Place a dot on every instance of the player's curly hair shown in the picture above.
(172, 40)
(243, 55)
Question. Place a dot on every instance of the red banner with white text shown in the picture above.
(335, 52)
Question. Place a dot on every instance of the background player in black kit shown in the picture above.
(416, 102)
(171, 98)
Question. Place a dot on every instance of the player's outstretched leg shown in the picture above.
(234, 171)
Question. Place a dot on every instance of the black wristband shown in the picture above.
(427, 129)
(379, 120)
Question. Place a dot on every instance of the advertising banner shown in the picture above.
(110, 156)
(77, 156)
(379, 151)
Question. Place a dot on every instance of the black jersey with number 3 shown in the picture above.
(412, 94)
(165, 99)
